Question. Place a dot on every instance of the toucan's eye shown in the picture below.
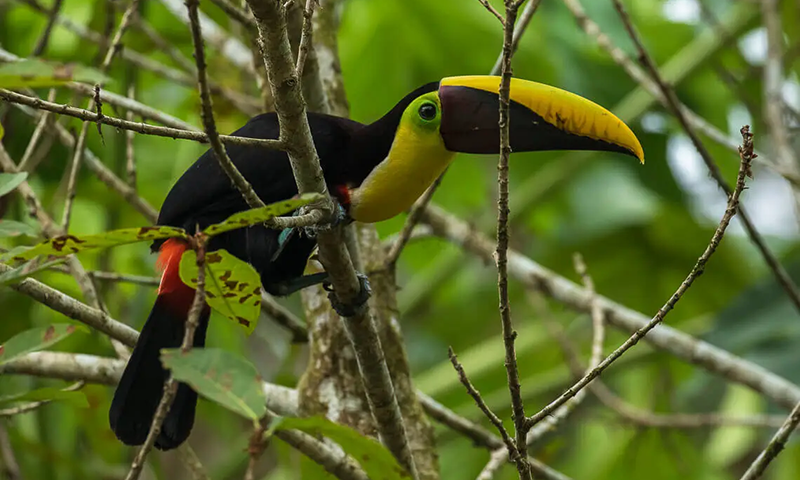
(427, 111)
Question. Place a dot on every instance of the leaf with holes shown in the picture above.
(220, 376)
(261, 215)
(233, 287)
(25, 270)
(35, 339)
(10, 181)
(34, 73)
(68, 244)
(10, 228)
(375, 459)
(48, 394)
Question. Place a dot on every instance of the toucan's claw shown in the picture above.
(339, 217)
(351, 308)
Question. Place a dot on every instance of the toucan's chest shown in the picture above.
(412, 165)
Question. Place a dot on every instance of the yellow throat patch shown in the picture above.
(417, 157)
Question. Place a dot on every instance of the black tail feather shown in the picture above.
(141, 386)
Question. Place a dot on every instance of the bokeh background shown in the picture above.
(639, 228)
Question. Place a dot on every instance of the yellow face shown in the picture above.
(417, 157)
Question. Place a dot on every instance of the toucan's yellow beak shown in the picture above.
(542, 118)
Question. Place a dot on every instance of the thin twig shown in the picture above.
(114, 47)
(771, 260)
(41, 127)
(238, 14)
(295, 131)
(130, 154)
(137, 127)
(746, 155)
(493, 11)
(598, 337)
(520, 28)
(773, 84)
(665, 338)
(774, 447)
(10, 464)
(220, 153)
(636, 73)
(521, 427)
(476, 396)
(171, 385)
(644, 418)
(419, 206)
(305, 38)
(100, 170)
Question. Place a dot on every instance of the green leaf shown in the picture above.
(10, 228)
(220, 376)
(26, 270)
(261, 215)
(38, 73)
(2, 131)
(35, 339)
(49, 394)
(69, 244)
(10, 181)
(374, 458)
(233, 287)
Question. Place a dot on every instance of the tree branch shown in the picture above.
(289, 105)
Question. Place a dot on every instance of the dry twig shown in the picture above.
(746, 154)
(674, 104)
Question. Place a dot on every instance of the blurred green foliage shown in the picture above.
(636, 226)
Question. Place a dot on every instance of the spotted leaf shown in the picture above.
(233, 287)
(68, 244)
(261, 215)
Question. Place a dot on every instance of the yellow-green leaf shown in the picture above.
(34, 73)
(233, 287)
(2, 131)
(10, 181)
(375, 459)
(261, 215)
(68, 244)
(25, 270)
(10, 228)
(48, 394)
(220, 376)
(35, 339)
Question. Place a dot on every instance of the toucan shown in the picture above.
(374, 171)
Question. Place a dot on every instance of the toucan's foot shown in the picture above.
(351, 308)
(299, 283)
(340, 217)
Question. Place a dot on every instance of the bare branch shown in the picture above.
(771, 260)
(9, 412)
(74, 309)
(220, 153)
(142, 128)
(476, 395)
(522, 25)
(305, 38)
(493, 11)
(289, 105)
(746, 154)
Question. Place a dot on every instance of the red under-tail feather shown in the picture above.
(140, 388)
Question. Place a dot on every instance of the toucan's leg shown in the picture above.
(350, 309)
(299, 283)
